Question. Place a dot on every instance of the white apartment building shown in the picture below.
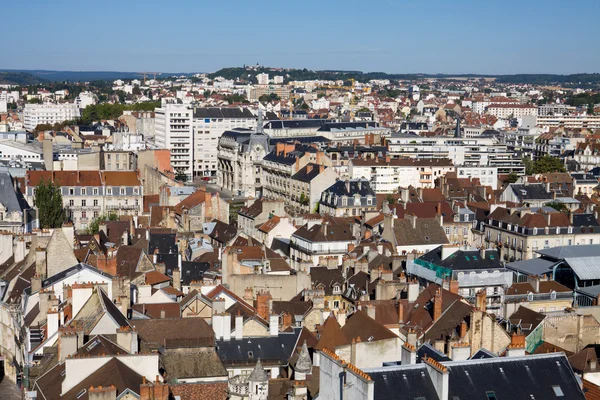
(263, 79)
(555, 109)
(569, 121)
(26, 152)
(484, 151)
(209, 124)
(386, 175)
(505, 111)
(85, 99)
(36, 114)
(488, 176)
(278, 79)
(173, 131)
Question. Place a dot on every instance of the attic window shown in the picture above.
(491, 396)
(558, 391)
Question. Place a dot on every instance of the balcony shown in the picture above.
(123, 207)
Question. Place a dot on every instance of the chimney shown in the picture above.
(177, 277)
(227, 326)
(20, 250)
(127, 338)
(163, 314)
(408, 354)
(274, 325)
(69, 341)
(218, 306)
(341, 317)
(437, 304)
(347, 186)
(48, 154)
(154, 390)
(400, 312)
(53, 322)
(570, 217)
(463, 329)
(412, 292)
(102, 393)
(453, 286)
(516, 348)
(263, 305)
(411, 337)
(460, 352)
(413, 220)
(439, 377)
(239, 327)
(481, 300)
(371, 311)
(36, 284)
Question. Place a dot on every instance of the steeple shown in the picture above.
(258, 382)
(258, 374)
(457, 132)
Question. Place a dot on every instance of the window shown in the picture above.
(71, 203)
(529, 296)
(535, 231)
(491, 396)
(553, 295)
(71, 191)
(96, 214)
(83, 214)
(83, 191)
(122, 191)
(83, 203)
(570, 230)
(557, 231)
(136, 191)
(447, 230)
(558, 391)
(95, 191)
(95, 202)
(109, 191)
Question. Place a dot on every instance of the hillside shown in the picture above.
(19, 78)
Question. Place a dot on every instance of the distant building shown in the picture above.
(37, 114)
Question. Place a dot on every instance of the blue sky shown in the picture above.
(402, 36)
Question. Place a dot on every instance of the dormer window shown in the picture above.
(509, 227)
(553, 295)
(344, 201)
(529, 296)
(570, 229)
(336, 289)
(557, 230)
(535, 231)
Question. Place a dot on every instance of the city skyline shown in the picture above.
(463, 37)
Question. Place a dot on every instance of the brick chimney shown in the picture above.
(263, 305)
(154, 391)
(453, 286)
(481, 300)
(437, 304)
(108, 262)
(463, 329)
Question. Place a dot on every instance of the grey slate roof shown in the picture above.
(464, 259)
(403, 383)
(535, 266)
(562, 252)
(273, 348)
(223, 112)
(258, 374)
(8, 196)
(531, 191)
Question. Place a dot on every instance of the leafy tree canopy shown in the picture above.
(545, 164)
(94, 226)
(49, 202)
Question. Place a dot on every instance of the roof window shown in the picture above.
(491, 396)
(557, 391)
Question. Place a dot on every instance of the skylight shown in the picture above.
(558, 391)
(491, 395)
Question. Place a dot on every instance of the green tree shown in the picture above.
(512, 177)
(544, 165)
(180, 175)
(49, 202)
(561, 207)
(390, 199)
(304, 199)
(94, 226)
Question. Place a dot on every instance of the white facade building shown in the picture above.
(263, 79)
(173, 131)
(35, 114)
(85, 99)
(488, 176)
(462, 151)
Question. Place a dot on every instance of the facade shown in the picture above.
(320, 240)
(308, 184)
(119, 160)
(478, 151)
(569, 121)
(348, 198)
(386, 175)
(351, 132)
(505, 111)
(173, 131)
(208, 126)
(240, 155)
(519, 233)
(89, 194)
(37, 114)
